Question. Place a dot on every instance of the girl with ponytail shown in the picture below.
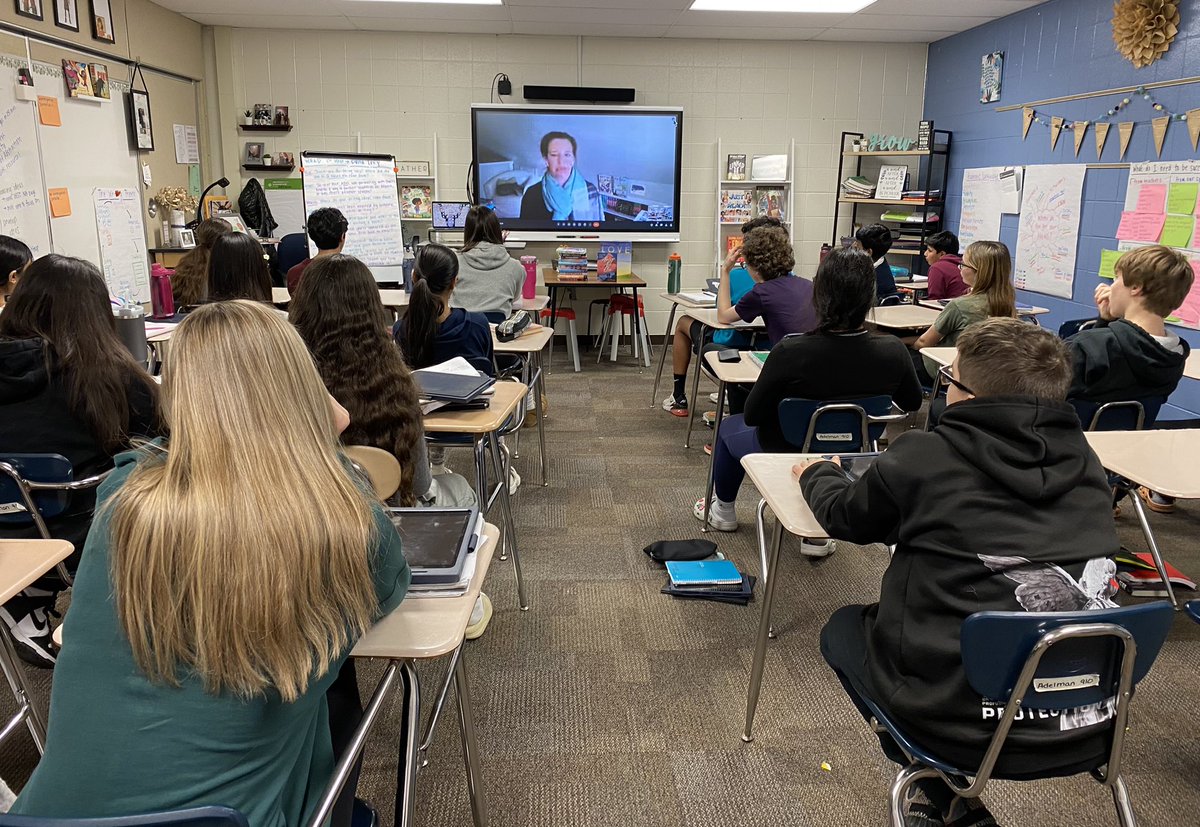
(431, 331)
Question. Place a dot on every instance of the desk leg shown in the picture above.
(482, 492)
(760, 528)
(406, 774)
(466, 722)
(637, 334)
(662, 356)
(29, 711)
(431, 724)
(539, 388)
(708, 492)
(764, 626)
(510, 530)
(694, 401)
(1140, 510)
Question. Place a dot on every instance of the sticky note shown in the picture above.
(1140, 226)
(1181, 198)
(1108, 263)
(60, 202)
(1150, 198)
(48, 112)
(1177, 230)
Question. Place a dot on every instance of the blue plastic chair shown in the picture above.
(1125, 415)
(1192, 607)
(843, 426)
(1070, 328)
(293, 249)
(192, 817)
(890, 301)
(1008, 657)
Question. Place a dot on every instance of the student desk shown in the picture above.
(772, 476)
(633, 282)
(707, 316)
(745, 371)
(1191, 368)
(1024, 311)
(482, 427)
(424, 628)
(941, 355)
(676, 301)
(903, 316)
(1163, 461)
(531, 344)
(21, 563)
(394, 299)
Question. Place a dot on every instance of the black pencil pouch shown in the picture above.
(665, 550)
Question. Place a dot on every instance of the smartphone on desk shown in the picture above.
(729, 355)
(854, 465)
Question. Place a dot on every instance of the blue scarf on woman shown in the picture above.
(565, 200)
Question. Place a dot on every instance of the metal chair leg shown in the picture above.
(510, 526)
(899, 790)
(1140, 510)
(466, 723)
(1120, 794)
(28, 709)
(406, 781)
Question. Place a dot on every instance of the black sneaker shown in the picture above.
(28, 623)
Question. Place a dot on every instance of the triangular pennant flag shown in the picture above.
(1080, 130)
(1193, 122)
(1027, 120)
(1101, 137)
(1159, 126)
(1056, 124)
(1125, 130)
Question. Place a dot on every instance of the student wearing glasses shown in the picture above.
(987, 268)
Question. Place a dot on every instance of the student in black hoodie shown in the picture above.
(1129, 353)
(67, 386)
(1002, 507)
(876, 240)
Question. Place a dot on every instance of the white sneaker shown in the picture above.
(481, 615)
(816, 548)
(723, 517)
(514, 481)
(439, 468)
(712, 397)
(674, 408)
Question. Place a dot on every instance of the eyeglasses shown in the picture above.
(962, 265)
(945, 372)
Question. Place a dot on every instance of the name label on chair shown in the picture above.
(1065, 684)
(11, 508)
(835, 437)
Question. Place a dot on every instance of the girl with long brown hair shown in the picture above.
(189, 284)
(228, 574)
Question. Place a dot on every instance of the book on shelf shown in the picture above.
(892, 178)
(416, 202)
(606, 262)
(737, 206)
(735, 167)
(919, 195)
(733, 242)
(858, 187)
(910, 217)
(770, 203)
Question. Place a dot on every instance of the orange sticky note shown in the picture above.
(48, 111)
(60, 202)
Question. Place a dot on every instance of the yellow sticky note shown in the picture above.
(1181, 198)
(60, 202)
(1177, 231)
(1108, 263)
(48, 112)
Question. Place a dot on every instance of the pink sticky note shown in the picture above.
(1151, 198)
(1189, 311)
(1141, 226)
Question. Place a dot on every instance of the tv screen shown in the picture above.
(561, 172)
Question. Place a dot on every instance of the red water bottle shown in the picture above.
(162, 298)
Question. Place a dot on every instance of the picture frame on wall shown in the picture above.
(254, 154)
(102, 21)
(990, 73)
(141, 126)
(66, 14)
(30, 8)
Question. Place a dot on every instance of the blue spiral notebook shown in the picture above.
(700, 574)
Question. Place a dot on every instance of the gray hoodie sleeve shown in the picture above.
(422, 477)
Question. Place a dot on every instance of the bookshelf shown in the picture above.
(932, 165)
(725, 229)
(430, 181)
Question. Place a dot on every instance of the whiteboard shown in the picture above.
(23, 212)
(122, 240)
(364, 188)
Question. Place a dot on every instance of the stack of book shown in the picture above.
(858, 187)
(571, 263)
(717, 580)
(918, 196)
(913, 217)
(1137, 575)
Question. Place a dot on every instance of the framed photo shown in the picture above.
(66, 14)
(989, 77)
(735, 167)
(99, 76)
(187, 239)
(254, 154)
(285, 159)
(235, 221)
(141, 128)
(102, 21)
(31, 9)
(262, 114)
(281, 116)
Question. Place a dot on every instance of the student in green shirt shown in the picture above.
(987, 269)
(226, 577)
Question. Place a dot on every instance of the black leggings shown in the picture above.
(345, 713)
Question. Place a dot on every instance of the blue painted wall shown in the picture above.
(1062, 47)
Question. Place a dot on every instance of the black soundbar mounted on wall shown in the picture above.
(585, 94)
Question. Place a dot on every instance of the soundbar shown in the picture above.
(588, 94)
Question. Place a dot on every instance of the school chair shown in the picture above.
(619, 307)
(378, 466)
(1054, 661)
(35, 488)
(846, 427)
(1192, 607)
(1126, 415)
(890, 301)
(1073, 326)
(293, 249)
(567, 313)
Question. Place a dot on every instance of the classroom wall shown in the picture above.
(1062, 47)
(396, 89)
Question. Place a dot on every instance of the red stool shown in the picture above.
(572, 341)
(622, 305)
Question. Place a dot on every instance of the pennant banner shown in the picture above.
(1125, 130)
(1193, 122)
(1056, 125)
(1080, 128)
(1159, 126)
(1101, 137)
(1027, 121)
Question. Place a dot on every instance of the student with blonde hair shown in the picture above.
(229, 571)
(987, 268)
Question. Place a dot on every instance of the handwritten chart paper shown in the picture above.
(123, 255)
(1048, 232)
(22, 203)
(364, 189)
(1156, 174)
(981, 197)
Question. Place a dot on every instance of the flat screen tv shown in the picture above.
(579, 172)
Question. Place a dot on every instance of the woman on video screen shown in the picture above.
(562, 194)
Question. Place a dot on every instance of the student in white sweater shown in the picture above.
(489, 279)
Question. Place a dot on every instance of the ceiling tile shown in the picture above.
(912, 23)
(398, 24)
(584, 18)
(597, 30)
(272, 21)
(881, 35)
(744, 32)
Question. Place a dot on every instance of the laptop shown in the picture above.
(450, 215)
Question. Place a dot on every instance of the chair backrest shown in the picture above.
(17, 501)
(1070, 328)
(381, 468)
(890, 301)
(1125, 415)
(1193, 609)
(293, 249)
(840, 426)
(193, 817)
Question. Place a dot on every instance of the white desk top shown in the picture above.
(160, 331)
(745, 371)
(1163, 461)
(708, 315)
(941, 355)
(772, 476)
(1028, 310)
(24, 561)
(504, 401)
(1191, 368)
(428, 627)
(903, 316)
(676, 298)
(531, 340)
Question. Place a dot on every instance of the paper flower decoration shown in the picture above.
(1143, 29)
(176, 198)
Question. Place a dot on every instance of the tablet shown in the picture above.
(855, 465)
(436, 542)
